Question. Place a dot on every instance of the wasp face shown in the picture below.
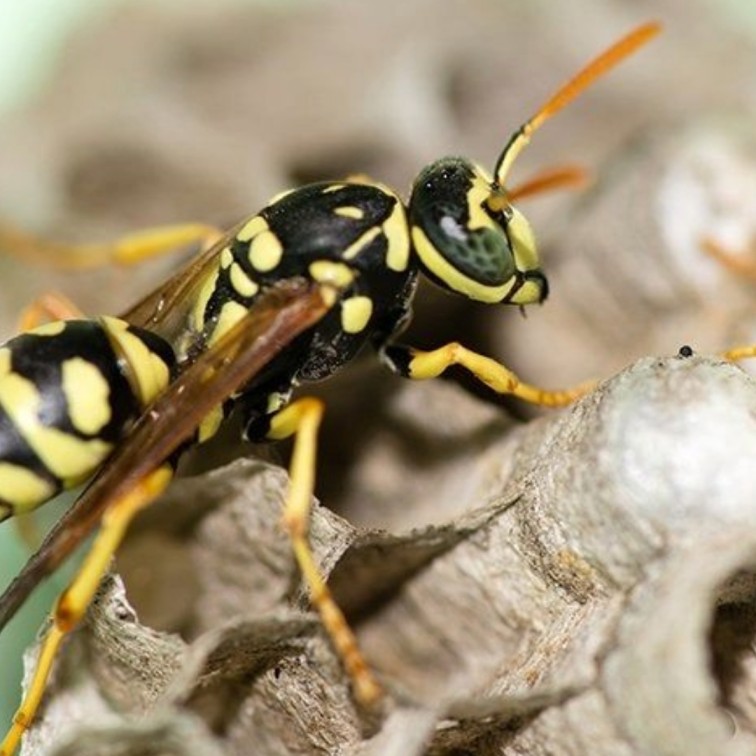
(469, 244)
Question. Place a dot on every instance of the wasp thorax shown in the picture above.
(465, 245)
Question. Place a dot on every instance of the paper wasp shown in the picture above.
(288, 296)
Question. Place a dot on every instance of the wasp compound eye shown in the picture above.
(466, 247)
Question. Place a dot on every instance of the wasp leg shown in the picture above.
(129, 249)
(738, 263)
(73, 602)
(52, 305)
(418, 365)
(740, 353)
(551, 179)
(302, 420)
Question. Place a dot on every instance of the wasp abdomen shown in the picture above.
(69, 391)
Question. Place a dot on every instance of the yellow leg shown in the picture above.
(129, 249)
(740, 353)
(423, 365)
(73, 602)
(51, 305)
(302, 419)
(738, 263)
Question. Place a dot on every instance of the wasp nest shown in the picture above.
(582, 584)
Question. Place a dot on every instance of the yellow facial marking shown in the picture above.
(67, 457)
(252, 228)
(265, 251)
(477, 196)
(22, 488)
(360, 243)
(333, 188)
(452, 277)
(226, 258)
(348, 211)
(231, 313)
(87, 395)
(355, 313)
(523, 242)
(147, 374)
(50, 329)
(243, 285)
(528, 293)
(332, 273)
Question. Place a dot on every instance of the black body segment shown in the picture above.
(351, 235)
(69, 392)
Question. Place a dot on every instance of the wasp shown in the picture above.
(288, 296)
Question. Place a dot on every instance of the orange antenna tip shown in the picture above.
(569, 91)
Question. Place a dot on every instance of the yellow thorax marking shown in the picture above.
(360, 243)
(349, 211)
(333, 273)
(355, 313)
(243, 285)
(67, 457)
(265, 251)
(251, 228)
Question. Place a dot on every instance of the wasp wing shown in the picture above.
(274, 322)
(166, 309)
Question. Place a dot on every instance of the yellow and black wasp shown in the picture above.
(287, 297)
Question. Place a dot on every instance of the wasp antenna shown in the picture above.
(581, 81)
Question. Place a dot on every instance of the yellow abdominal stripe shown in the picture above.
(147, 374)
(67, 457)
(87, 395)
(23, 488)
